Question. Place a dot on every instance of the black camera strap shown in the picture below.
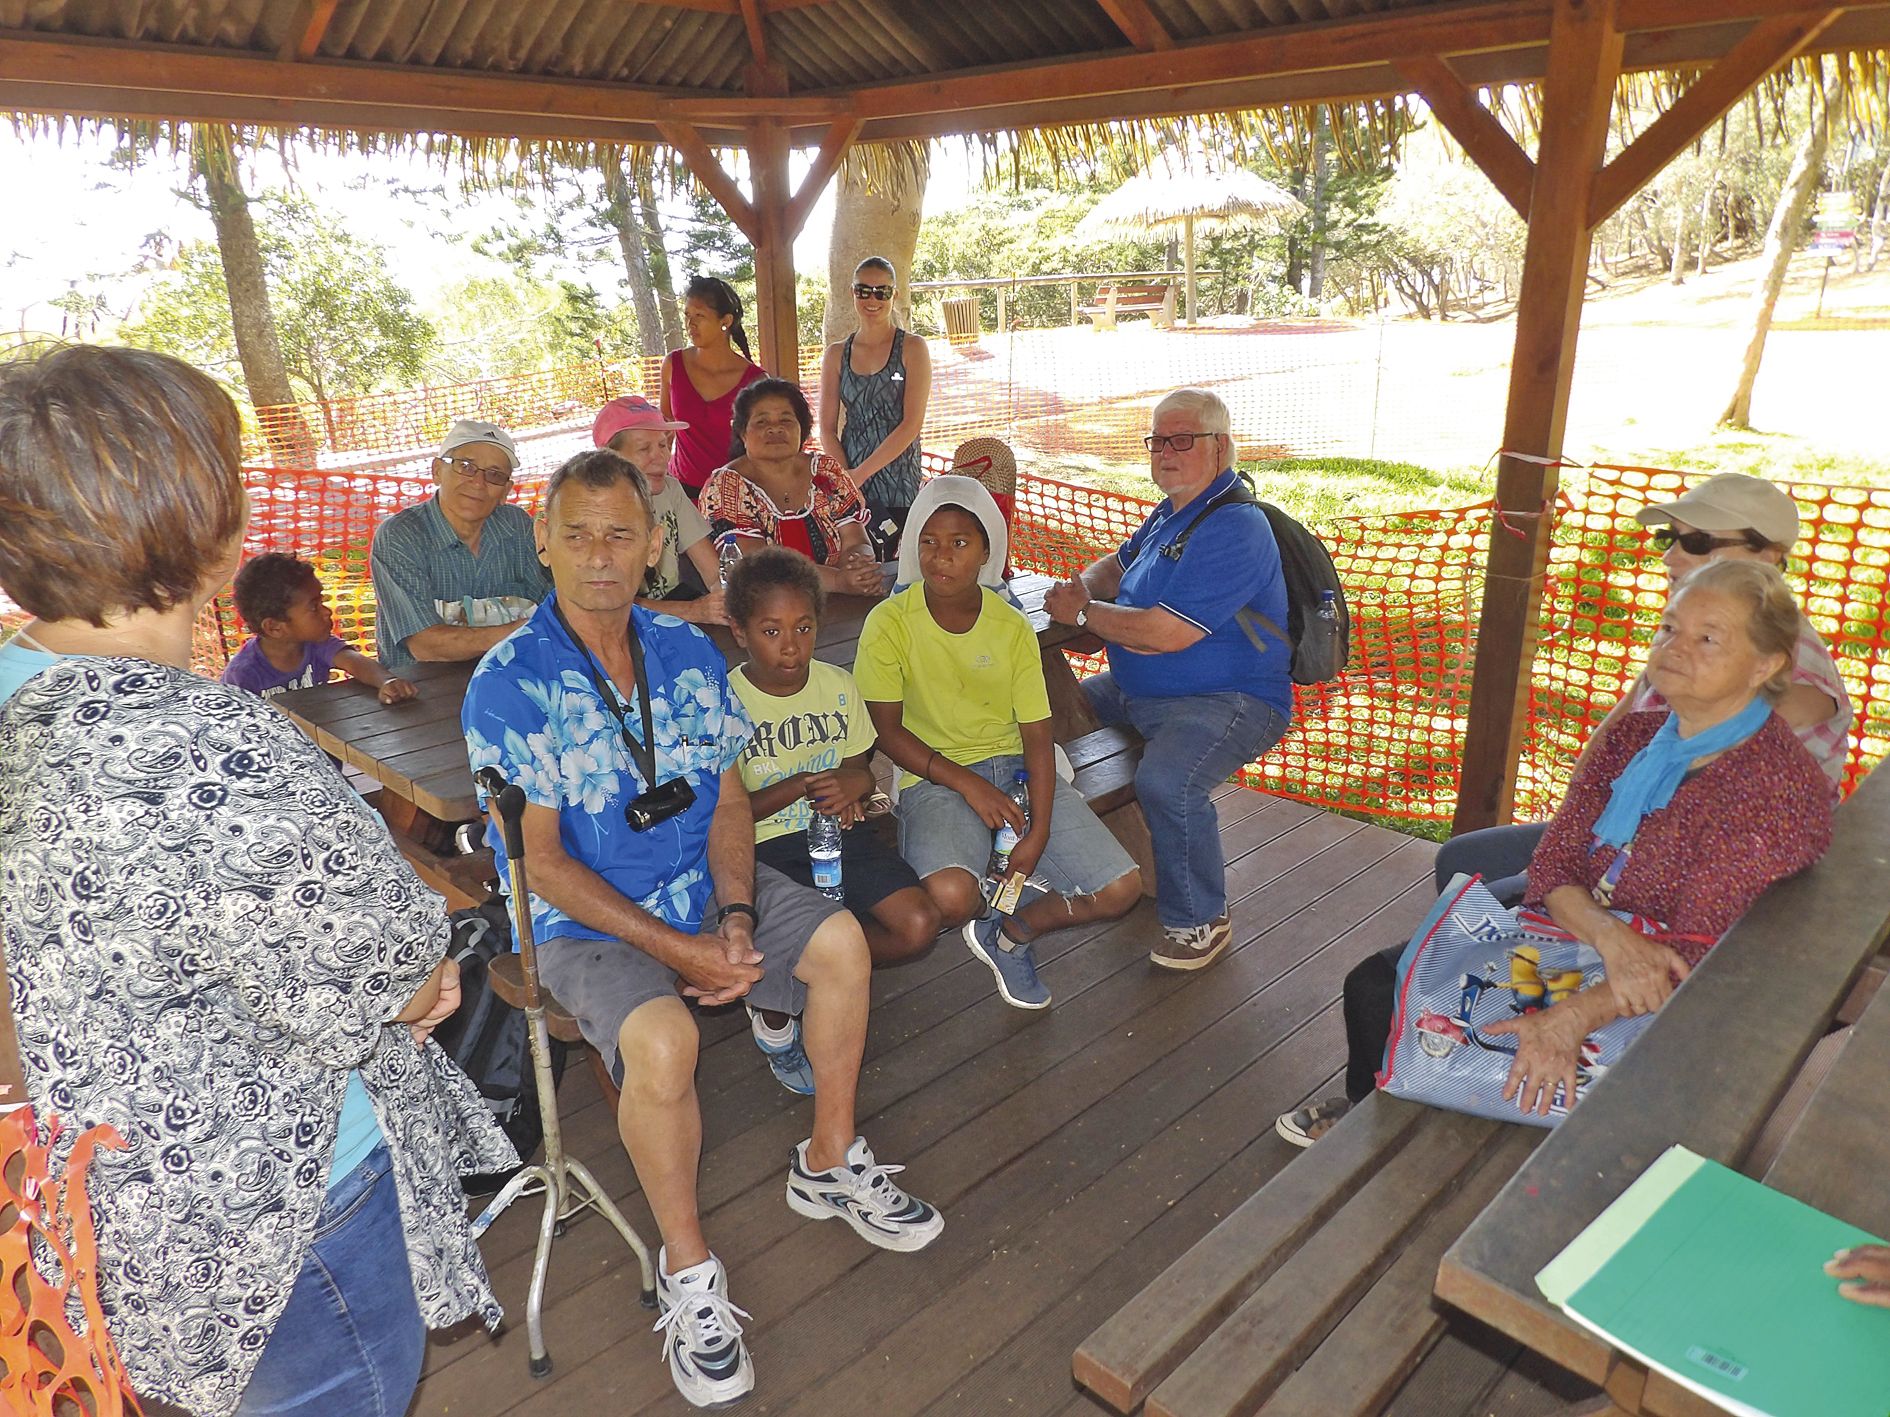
(642, 754)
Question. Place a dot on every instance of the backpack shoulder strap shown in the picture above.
(1240, 494)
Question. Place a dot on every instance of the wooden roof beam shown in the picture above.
(833, 150)
(304, 39)
(1771, 43)
(757, 33)
(1475, 128)
(709, 171)
(1139, 24)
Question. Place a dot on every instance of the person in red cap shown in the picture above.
(635, 430)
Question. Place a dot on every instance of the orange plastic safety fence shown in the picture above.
(47, 1367)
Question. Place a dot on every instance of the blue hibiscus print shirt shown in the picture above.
(533, 711)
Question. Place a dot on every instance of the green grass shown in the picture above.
(1778, 456)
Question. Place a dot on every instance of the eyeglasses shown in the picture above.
(1180, 442)
(1704, 543)
(472, 471)
(872, 292)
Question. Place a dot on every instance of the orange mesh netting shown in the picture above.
(47, 1368)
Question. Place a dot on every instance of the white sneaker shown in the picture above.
(862, 1193)
(707, 1359)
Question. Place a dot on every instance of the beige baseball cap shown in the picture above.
(1730, 501)
(473, 430)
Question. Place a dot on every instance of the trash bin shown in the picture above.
(961, 319)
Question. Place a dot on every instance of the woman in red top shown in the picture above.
(1683, 815)
(773, 492)
(699, 384)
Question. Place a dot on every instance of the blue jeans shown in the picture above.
(1194, 744)
(1498, 854)
(351, 1340)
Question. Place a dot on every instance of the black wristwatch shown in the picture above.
(740, 907)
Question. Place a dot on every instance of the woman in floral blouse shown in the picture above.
(211, 943)
(771, 491)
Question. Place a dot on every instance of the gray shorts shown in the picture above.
(938, 829)
(602, 982)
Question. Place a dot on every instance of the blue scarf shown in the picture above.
(1653, 775)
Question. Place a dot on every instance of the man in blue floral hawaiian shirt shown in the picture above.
(644, 884)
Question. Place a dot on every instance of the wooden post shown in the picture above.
(1584, 62)
(777, 320)
(1187, 262)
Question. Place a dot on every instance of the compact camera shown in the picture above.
(659, 804)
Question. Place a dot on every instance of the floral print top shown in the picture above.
(535, 711)
(735, 505)
(206, 930)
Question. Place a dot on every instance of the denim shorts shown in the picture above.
(938, 829)
(351, 1340)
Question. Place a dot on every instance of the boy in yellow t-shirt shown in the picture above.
(954, 683)
(810, 750)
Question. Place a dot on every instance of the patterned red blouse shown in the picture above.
(1754, 815)
(732, 503)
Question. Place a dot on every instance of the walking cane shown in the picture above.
(566, 1183)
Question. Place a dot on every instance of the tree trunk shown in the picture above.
(1706, 223)
(1316, 257)
(1677, 272)
(866, 223)
(657, 256)
(252, 322)
(620, 210)
(1780, 238)
(1879, 219)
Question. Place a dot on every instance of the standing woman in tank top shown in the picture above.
(699, 383)
(873, 389)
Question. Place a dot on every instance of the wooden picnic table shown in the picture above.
(417, 754)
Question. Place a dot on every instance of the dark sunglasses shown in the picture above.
(872, 292)
(1704, 543)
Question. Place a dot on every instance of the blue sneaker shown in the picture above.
(1014, 965)
(784, 1054)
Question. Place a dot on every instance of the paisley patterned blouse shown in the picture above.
(732, 503)
(205, 931)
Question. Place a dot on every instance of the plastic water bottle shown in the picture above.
(1007, 836)
(823, 850)
(1329, 609)
(727, 557)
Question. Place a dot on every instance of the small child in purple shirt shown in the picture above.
(295, 646)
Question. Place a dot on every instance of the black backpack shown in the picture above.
(487, 1037)
(1320, 647)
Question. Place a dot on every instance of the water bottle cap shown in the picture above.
(1023, 775)
(1328, 595)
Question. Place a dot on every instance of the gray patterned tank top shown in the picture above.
(875, 405)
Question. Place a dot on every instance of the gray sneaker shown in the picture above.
(1308, 1124)
(1192, 946)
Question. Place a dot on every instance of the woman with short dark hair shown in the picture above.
(211, 942)
(771, 491)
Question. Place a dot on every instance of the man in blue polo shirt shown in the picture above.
(644, 883)
(458, 573)
(1205, 695)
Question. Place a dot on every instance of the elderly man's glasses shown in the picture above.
(1180, 442)
(1704, 543)
(872, 292)
(473, 472)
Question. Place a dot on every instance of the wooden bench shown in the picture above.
(1315, 1295)
(1154, 299)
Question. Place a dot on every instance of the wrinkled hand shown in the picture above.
(994, 808)
(444, 1006)
(721, 967)
(397, 691)
(1064, 599)
(710, 609)
(1641, 971)
(1548, 1047)
(862, 577)
(1867, 1268)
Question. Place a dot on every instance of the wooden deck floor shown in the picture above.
(1075, 1153)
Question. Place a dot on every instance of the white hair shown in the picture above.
(1209, 412)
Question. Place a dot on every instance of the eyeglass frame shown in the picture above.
(1704, 543)
(468, 471)
(1155, 442)
(862, 291)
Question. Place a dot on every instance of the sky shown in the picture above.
(72, 220)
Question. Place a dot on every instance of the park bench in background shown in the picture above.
(1153, 299)
(1315, 1295)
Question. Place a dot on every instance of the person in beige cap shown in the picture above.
(458, 573)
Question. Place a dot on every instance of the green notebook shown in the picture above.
(1719, 1283)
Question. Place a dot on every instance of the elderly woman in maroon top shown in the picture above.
(1683, 815)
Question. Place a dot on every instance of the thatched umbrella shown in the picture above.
(1191, 191)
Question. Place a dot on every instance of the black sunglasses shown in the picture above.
(1704, 543)
(872, 292)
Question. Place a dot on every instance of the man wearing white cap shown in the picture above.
(635, 430)
(458, 573)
